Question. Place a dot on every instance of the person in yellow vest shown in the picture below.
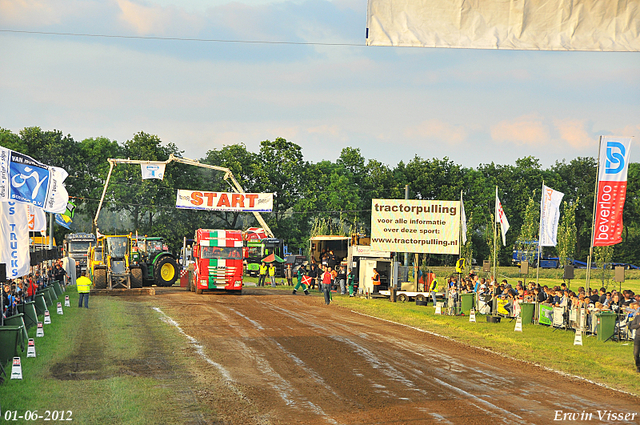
(272, 274)
(84, 287)
(433, 288)
(263, 274)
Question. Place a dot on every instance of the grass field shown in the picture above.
(112, 363)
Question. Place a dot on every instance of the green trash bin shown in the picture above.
(526, 312)
(58, 288)
(17, 320)
(30, 315)
(11, 344)
(466, 302)
(47, 297)
(53, 294)
(606, 325)
(41, 304)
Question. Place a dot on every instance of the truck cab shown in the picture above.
(218, 261)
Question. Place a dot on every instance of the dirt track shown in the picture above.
(270, 357)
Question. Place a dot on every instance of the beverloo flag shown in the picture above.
(549, 216)
(153, 170)
(14, 238)
(612, 190)
(37, 219)
(26, 180)
(502, 219)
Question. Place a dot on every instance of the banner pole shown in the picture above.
(460, 232)
(593, 216)
(495, 233)
(539, 236)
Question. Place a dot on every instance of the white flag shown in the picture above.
(37, 219)
(502, 219)
(14, 238)
(26, 180)
(153, 170)
(549, 216)
(463, 221)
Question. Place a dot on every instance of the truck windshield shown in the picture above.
(117, 247)
(224, 253)
(254, 251)
(80, 246)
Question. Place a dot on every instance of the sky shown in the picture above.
(472, 106)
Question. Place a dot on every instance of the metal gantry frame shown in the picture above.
(227, 176)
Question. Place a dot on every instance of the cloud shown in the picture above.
(437, 129)
(574, 133)
(524, 130)
(30, 13)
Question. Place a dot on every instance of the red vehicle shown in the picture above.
(218, 261)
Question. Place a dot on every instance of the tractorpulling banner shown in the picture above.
(223, 201)
(612, 190)
(425, 227)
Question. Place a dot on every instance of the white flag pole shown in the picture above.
(495, 237)
(540, 236)
(593, 217)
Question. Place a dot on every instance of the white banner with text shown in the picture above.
(224, 201)
(425, 227)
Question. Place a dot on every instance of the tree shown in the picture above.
(143, 198)
(604, 256)
(567, 232)
(246, 168)
(529, 231)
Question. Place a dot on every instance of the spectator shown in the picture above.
(342, 280)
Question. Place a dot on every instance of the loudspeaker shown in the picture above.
(486, 266)
(619, 274)
(3, 272)
(568, 272)
(524, 267)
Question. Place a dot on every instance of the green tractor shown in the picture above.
(158, 265)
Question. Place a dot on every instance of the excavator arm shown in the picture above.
(228, 175)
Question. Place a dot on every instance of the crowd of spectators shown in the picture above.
(25, 288)
(594, 300)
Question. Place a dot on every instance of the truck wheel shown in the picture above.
(100, 278)
(403, 298)
(136, 277)
(166, 271)
(145, 275)
(198, 291)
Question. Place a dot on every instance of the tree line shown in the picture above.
(335, 196)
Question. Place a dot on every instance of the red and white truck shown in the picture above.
(218, 261)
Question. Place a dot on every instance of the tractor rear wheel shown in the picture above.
(145, 275)
(100, 278)
(136, 277)
(166, 271)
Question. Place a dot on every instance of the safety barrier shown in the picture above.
(606, 325)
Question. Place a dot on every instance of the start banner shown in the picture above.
(612, 190)
(418, 226)
(224, 201)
